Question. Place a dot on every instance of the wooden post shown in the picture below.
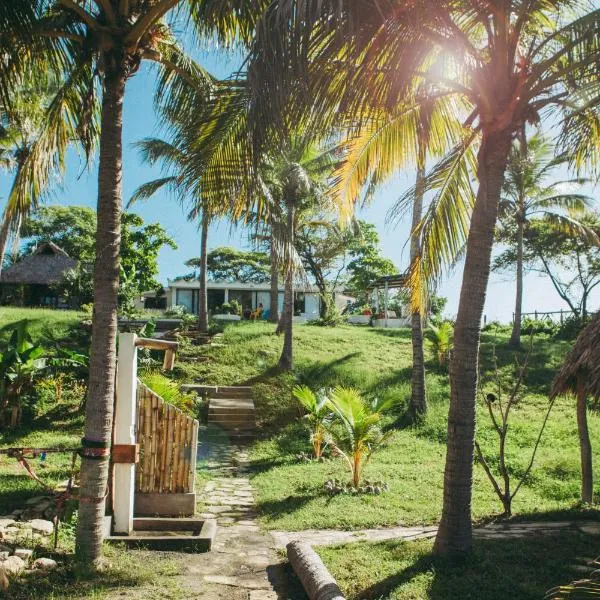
(125, 417)
(385, 303)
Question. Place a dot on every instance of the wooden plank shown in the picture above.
(192, 481)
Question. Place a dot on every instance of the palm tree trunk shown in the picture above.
(100, 399)
(286, 359)
(4, 234)
(274, 292)
(455, 531)
(515, 337)
(202, 299)
(585, 445)
(418, 398)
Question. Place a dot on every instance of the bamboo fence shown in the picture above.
(168, 440)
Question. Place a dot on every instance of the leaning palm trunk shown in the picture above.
(515, 337)
(455, 530)
(274, 292)
(4, 235)
(418, 399)
(287, 319)
(203, 300)
(99, 406)
(587, 476)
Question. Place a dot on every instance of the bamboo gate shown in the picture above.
(154, 444)
(167, 440)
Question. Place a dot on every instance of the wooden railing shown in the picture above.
(168, 440)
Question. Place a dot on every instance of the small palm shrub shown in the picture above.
(360, 434)
(440, 336)
(318, 415)
(169, 391)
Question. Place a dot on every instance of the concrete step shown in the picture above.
(213, 391)
(231, 403)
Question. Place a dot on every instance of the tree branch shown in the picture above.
(153, 14)
(85, 16)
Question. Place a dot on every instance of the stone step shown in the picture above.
(231, 403)
(232, 419)
(214, 391)
(242, 412)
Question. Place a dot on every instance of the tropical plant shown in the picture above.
(440, 336)
(360, 435)
(528, 194)
(102, 44)
(26, 135)
(169, 391)
(505, 63)
(318, 415)
(20, 361)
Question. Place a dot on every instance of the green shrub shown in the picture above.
(169, 391)
(536, 327)
(230, 308)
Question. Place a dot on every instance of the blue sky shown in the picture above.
(80, 188)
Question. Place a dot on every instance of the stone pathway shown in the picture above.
(325, 537)
(243, 564)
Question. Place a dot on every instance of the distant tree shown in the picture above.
(73, 229)
(529, 194)
(367, 264)
(231, 264)
(572, 263)
(322, 247)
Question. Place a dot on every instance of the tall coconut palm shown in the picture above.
(294, 178)
(33, 144)
(529, 193)
(511, 62)
(387, 142)
(104, 42)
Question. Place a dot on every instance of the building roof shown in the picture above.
(582, 362)
(392, 281)
(46, 265)
(194, 284)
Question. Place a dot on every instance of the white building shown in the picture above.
(307, 300)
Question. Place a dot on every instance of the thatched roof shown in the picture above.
(45, 266)
(583, 361)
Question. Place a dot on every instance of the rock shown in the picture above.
(35, 500)
(45, 564)
(42, 526)
(13, 565)
(24, 553)
(6, 522)
(4, 555)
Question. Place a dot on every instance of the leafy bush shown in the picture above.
(169, 391)
(318, 415)
(441, 336)
(571, 327)
(333, 318)
(176, 311)
(536, 327)
(230, 308)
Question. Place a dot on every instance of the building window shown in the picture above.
(299, 303)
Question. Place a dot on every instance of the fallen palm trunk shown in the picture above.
(313, 574)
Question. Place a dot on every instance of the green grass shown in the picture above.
(44, 324)
(523, 569)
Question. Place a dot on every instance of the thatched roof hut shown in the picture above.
(581, 364)
(47, 265)
(580, 376)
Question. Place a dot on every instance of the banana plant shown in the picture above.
(20, 361)
(318, 414)
(361, 435)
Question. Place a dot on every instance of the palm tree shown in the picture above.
(528, 195)
(318, 413)
(386, 143)
(294, 180)
(26, 134)
(362, 435)
(510, 63)
(108, 40)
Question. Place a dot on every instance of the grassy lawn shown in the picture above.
(290, 493)
(499, 569)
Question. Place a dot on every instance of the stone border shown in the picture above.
(312, 573)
